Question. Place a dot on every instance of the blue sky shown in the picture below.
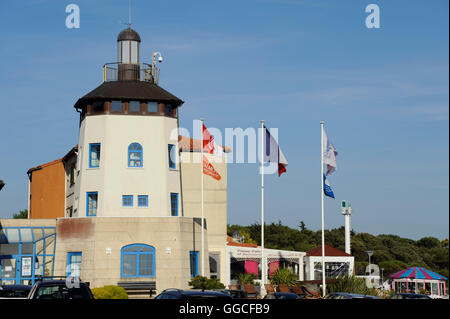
(383, 94)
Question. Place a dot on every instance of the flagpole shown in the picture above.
(203, 214)
(323, 211)
(263, 272)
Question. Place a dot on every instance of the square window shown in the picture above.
(127, 200)
(152, 107)
(98, 107)
(94, 155)
(135, 107)
(142, 200)
(168, 109)
(116, 106)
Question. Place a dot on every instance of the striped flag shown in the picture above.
(273, 153)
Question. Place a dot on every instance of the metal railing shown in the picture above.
(116, 71)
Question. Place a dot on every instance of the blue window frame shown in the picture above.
(135, 155)
(74, 264)
(137, 260)
(91, 203)
(142, 200)
(193, 261)
(174, 203)
(94, 155)
(127, 200)
(172, 156)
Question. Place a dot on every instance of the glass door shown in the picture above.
(8, 270)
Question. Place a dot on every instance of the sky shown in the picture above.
(382, 93)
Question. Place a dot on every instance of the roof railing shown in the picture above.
(116, 71)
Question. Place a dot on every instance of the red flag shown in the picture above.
(208, 141)
(208, 169)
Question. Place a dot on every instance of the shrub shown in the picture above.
(204, 283)
(110, 292)
(284, 276)
(246, 279)
(351, 284)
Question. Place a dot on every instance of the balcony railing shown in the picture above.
(138, 72)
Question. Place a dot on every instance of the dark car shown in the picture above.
(408, 296)
(14, 291)
(235, 294)
(282, 295)
(191, 294)
(345, 295)
(60, 289)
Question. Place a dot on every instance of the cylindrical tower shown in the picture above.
(127, 161)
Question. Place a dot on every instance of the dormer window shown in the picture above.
(135, 107)
(152, 107)
(98, 107)
(116, 106)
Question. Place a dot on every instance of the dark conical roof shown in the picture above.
(129, 90)
(129, 34)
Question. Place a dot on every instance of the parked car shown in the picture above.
(14, 291)
(408, 296)
(282, 295)
(346, 295)
(174, 293)
(58, 289)
(235, 294)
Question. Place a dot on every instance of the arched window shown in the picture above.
(137, 260)
(135, 155)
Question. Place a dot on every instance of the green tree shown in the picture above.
(22, 214)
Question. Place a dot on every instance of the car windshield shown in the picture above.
(61, 292)
(13, 293)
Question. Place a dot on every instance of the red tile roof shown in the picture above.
(329, 251)
(188, 144)
(230, 242)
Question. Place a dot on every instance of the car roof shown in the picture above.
(194, 292)
(352, 295)
(15, 287)
(54, 282)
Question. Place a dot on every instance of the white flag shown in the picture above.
(329, 154)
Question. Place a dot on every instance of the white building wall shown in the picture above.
(114, 178)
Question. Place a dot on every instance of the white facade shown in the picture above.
(310, 261)
(114, 178)
(251, 253)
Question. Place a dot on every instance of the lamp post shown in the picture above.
(370, 253)
(382, 276)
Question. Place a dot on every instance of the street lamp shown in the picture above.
(370, 253)
(382, 275)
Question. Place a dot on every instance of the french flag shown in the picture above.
(273, 153)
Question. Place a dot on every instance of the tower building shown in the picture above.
(128, 139)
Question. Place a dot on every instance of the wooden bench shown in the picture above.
(136, 287)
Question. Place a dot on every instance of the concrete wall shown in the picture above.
(215, 201)
(101, 239)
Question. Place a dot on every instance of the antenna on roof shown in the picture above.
(129, 13)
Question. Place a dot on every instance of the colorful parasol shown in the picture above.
(417, 273)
